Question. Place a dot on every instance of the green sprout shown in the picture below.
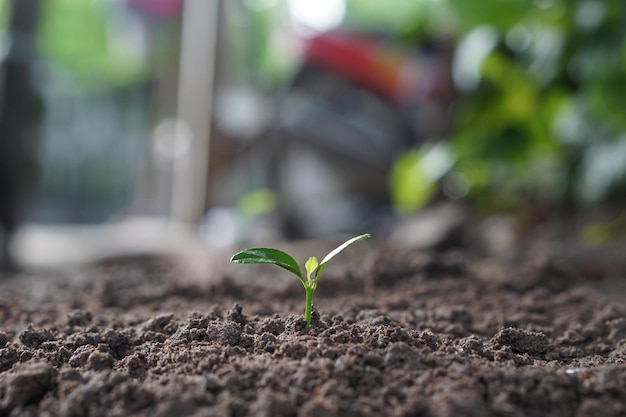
(313, 267)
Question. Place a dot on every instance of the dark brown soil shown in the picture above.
(400, 334)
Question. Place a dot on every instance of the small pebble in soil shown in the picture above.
(235, 314)
(100, 358)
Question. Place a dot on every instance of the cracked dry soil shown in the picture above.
(406, 334)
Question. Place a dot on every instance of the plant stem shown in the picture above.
(309, 305)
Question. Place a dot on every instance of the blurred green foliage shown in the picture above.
(404, 14)
(415, 175)
(90, 40)
(4, 15)
(257, 202)
(544, 115)
(256, 55)
(551, 92)
(411, 187)
(605, 231)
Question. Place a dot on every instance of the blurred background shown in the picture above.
(133, 126)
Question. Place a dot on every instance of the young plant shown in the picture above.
(313, 267)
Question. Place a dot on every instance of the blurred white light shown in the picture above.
(437, 161)
(603, 165)
(546, 50)
(590, 14)
(241, 112)
(456, 185)
(570, 125)
(222, 227)
(470, 55)
(518, 38)
(318, 15)
(171, 140)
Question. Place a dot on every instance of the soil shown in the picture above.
(394, 334)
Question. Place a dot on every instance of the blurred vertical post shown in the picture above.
(17, 120)
(195, 102)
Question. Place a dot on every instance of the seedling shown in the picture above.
(313, 267)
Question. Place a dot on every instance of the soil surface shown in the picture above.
(394, 334)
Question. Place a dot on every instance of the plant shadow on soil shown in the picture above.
(405, 334)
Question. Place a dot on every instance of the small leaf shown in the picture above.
(341, 247)
(337, 250)
(268, 256)
(310, 266)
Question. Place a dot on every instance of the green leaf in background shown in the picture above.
(257, 202)
(411, 188)
(415, 173)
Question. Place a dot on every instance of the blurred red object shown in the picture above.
(396, 72)
(157, 8)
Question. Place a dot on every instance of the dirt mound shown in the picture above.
(406, 334)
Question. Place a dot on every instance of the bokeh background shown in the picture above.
(143, 125)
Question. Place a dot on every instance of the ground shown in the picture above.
(395, 333)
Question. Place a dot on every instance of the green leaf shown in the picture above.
(310, 266)
(336, 251)
(269, 256)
